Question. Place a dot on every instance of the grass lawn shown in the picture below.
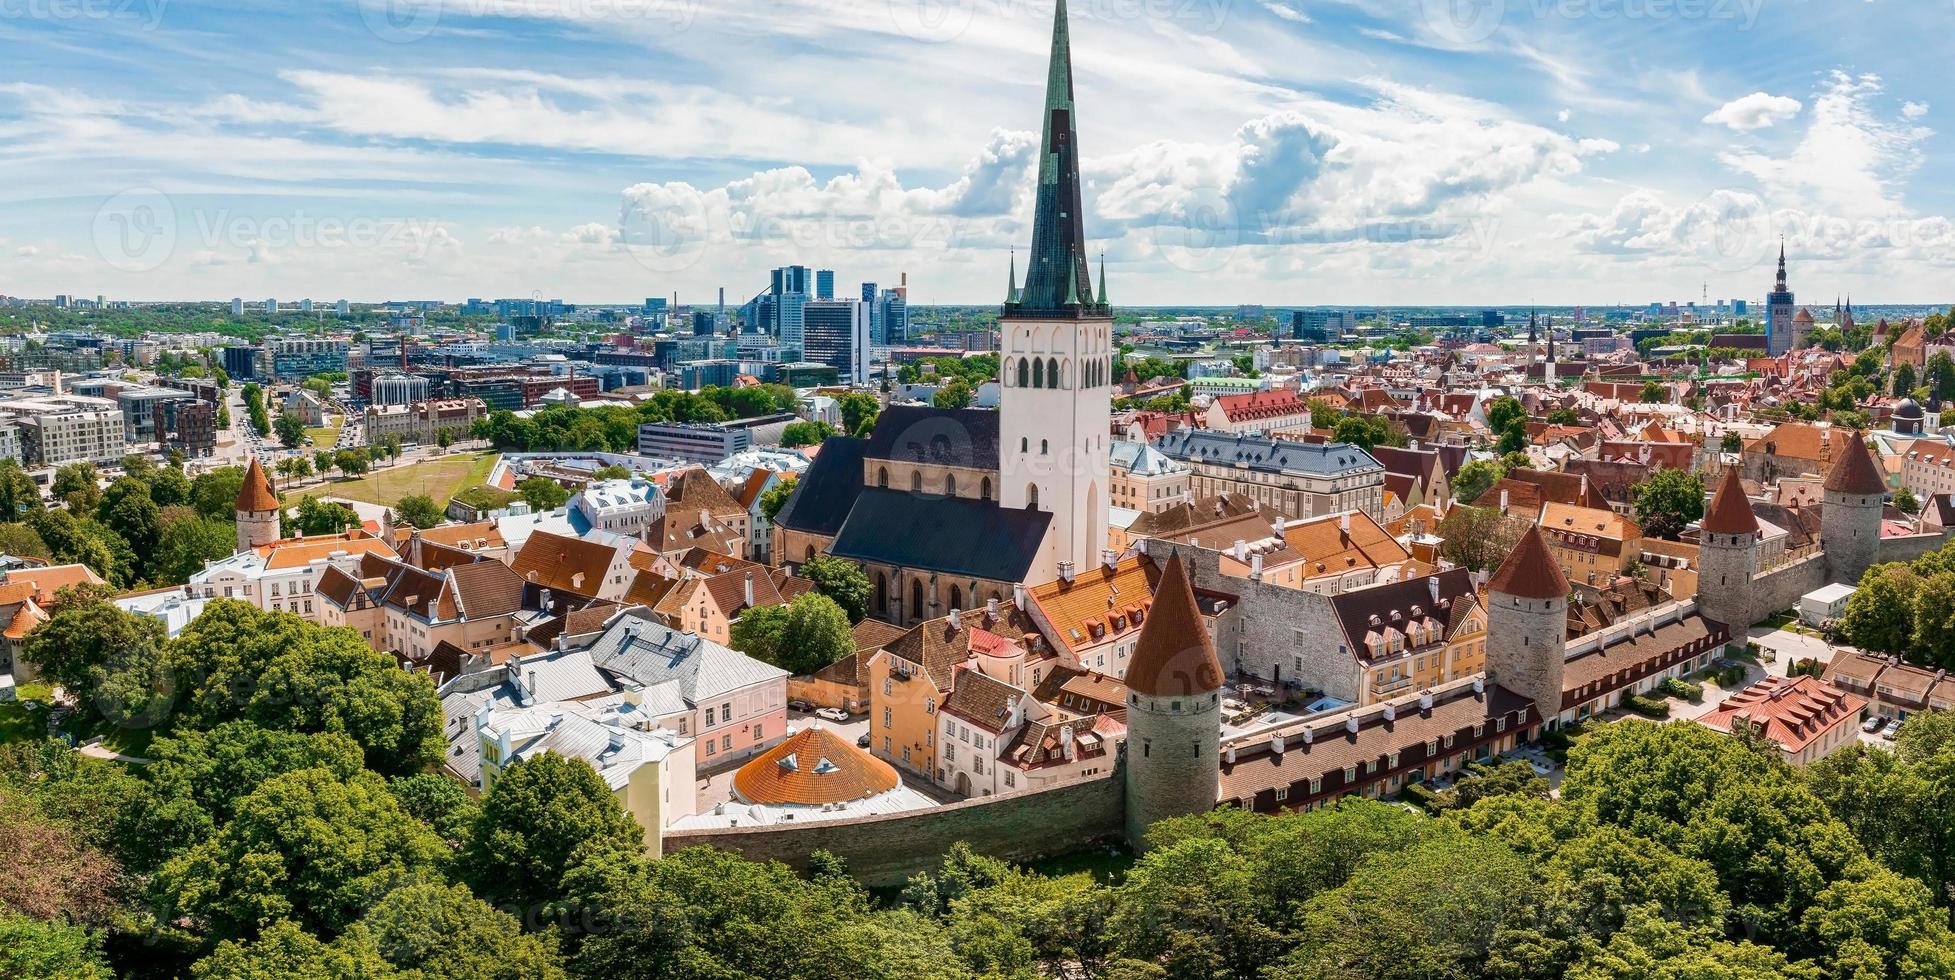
(440, 478)
(25, 720)
(328, 437)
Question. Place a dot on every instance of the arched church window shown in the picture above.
(1038, 373)
(950, 484)
(1052, 370)
(1032, 495)
(916, 598)
(882, 477)
(985, 488)
(1023, 373)
(916, 482)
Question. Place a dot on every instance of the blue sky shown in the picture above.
(1276, 151)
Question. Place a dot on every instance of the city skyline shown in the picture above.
(1285, 153)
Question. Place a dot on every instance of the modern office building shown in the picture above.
(895, 317)
(722, 373)
(837, 334)
(302, 357)
(188, 426)
(693, 443)
(704, 323)
(1322, 326)
(825, 284)
(138, 404)
(241, 362)
(59, 429)
(790, 290)
(399, 389)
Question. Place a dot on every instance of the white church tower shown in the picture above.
(1056, 349)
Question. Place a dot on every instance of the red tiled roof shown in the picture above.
(1174, 656)
(1730, 508)
(1855, 472)
(1530, 571)
(256, 495)
(814, 766)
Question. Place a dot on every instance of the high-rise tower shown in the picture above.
(1779, 313)
(1055, 339)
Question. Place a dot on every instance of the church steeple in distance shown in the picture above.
(1781, 280)
(1058, 282)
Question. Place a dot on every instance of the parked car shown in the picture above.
(1893, 729)
(1874, 724)
(832, 714)
(862, 742)
(796, 704)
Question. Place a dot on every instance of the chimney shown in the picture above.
(1256, 566)
(749, 588)
(1479, 683)
(1241, 550)
(1503, 501)
(1391, 712)
(1276, 742)
(1425, 700)
(1344, 524)
(991, 608)
(1351, 724)
(1228, 754)
(956, 620)
(1066, 572)
(1432, 583)
(1309, 736)
(1109, 557)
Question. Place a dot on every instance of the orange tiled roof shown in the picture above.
(1530, 571)
(1328, 549)
(1099, 604)
(293, 554)
(49, 579)
(1792, 711)
(1175, 656)
(256, 494)
(814, 766)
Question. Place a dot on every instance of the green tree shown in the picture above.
(438, 801)
(816, 634)
(18, 494)
(1941, 376)
(20, 541)
(775, 497)
(956, 394)
(215, 494)
(34, 950)
(305, 846)
(1564, 416)
(168, 487)
(1504, 411)
(1732, 443)
(290, 430)
(1879, 615)
(421, 511)
(859, 411)
(805, 433)
(1513, 438)
(538, 814)
(81, 542)
(188, 541)
(1905, 503)
(1367, 431)
(841, 580)
(1654, 393)
(321, 517)
(78, 486)
(86, 640)
(1476, 478)
(758, 632)
(1903, 380)
(1479, 538)
(1669, 501)
(433, 932)
(352, 462)
(130, 513)
(543, 494)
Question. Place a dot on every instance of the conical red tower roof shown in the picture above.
(1174, 657)
(1856, 472)
(1530, 571)
(1730, 508)
(256, 496)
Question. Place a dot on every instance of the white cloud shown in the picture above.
(1914, 110)
(1286, 12)
(1759, 110)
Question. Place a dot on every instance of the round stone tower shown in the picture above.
(1174, 711)
(257, 509)
(1849, 526)
(1727, 557)
(1527, 625)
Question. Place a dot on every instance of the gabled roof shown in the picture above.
(554, 561)
(1099, 604)
(694, 489)
(1441, 603)
(826, 493)
(957, 535)
(937, 646)
(1530, 571)
(1175, 656)
(650, 652)
(961, 437)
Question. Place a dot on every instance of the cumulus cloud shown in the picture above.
(1759, 110)
(1914, 110)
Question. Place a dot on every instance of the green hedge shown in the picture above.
(1647, 706)
(1679, 688)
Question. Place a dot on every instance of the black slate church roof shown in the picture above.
(965, 437)
(949, 535)
(826, 493)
